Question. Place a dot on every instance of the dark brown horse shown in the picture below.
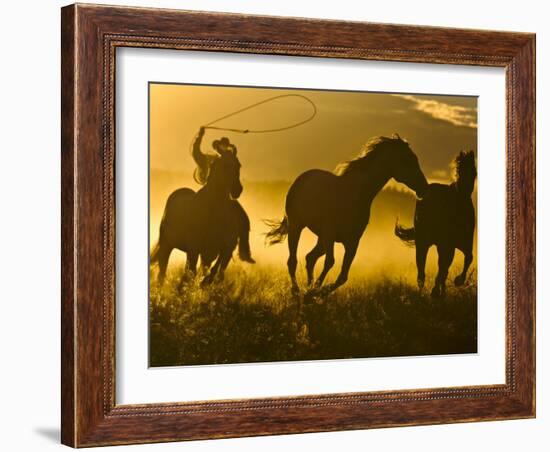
(336, 207)
(445, 217)
(203, 224)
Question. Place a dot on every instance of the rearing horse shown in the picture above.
(336, 206)
(203, 223)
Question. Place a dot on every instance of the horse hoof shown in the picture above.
(459, 281)
(247, 259)
(436, 293)
(312, 292)
(320, 291)
(315, 297)
(309, 297)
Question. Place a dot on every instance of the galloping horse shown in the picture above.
(336, 207)
(445, 217)
(203, 223)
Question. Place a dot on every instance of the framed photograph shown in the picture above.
(282, 225)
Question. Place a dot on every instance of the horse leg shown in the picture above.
(163, 256)
(329, 262)
(209, 278)
(311, 260)
(224, 262)
(190, 269)
(445, 258)
(218, 269)
(349, 255)
(206, 262)
(293, 239)
(460, 279)
(421, 254)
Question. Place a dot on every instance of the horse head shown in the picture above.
(226, 170)
(465, 172)
(405, 166)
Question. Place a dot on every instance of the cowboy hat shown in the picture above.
(223, 145)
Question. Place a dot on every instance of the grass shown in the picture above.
(252, 317)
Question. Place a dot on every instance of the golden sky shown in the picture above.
(437, 127)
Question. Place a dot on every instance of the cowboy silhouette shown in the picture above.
(204, 163)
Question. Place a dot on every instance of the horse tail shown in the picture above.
(155, 254)
(154, 257)
(278, 231)
(407, 235)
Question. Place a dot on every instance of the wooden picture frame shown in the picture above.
(90, 36)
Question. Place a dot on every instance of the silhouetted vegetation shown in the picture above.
(252, 317)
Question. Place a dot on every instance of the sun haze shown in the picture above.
(436, 127)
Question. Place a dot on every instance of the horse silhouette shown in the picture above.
(336, 206)
(203, 224)
(445, 217)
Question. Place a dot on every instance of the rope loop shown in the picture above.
(211, 125)
(265, 101)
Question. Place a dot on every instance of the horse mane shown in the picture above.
(368, 151)
(465, 171)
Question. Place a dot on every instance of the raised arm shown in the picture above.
(202, 160)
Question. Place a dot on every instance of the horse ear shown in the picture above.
(396, 136)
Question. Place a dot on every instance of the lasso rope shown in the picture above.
(265, 101)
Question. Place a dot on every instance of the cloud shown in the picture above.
(439, 174)
(454, 114)
(440, 177)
